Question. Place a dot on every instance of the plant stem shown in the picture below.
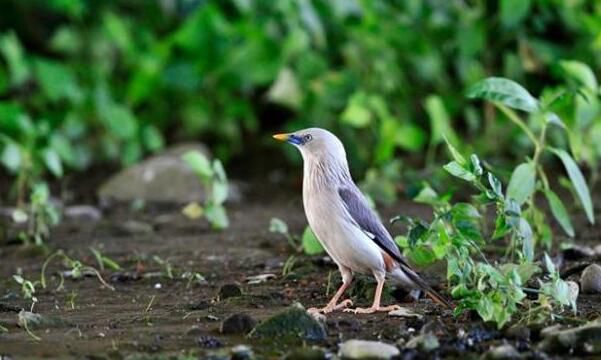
(511, 115)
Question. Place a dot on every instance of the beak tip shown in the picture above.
(281, 137)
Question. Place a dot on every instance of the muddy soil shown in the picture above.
(152, 314)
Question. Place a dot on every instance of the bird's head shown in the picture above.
(315, 143)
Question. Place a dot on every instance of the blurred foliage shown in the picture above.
(84, 82)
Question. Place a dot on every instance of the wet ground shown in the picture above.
(153, 315)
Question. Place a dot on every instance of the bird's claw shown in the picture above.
(331, 307)
(373, 309)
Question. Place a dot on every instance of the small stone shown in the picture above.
(574, 289)
(406, 313)
(306, 354)
(33, 320)
(590, 280)
(293, 322)
(518, 332)
(578, 252)
(425, 342)
(242, 352)
(503, 352)
(133, 227)
(259, 279)
(229, 290)
(585, 339)
(82, 213)
(363, 349)
(208, 342)
(237, 324)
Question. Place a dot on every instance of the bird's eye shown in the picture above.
(307, 138)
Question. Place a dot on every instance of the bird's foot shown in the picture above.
(331, 307)
(373, 309)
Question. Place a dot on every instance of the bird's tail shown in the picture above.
(406, 276)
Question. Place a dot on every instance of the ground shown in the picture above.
(149, 313)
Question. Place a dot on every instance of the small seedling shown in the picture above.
(103, 261)
(167, 267)
(71, 299)
(194, 278)
(28, 288)
(289, 265)
(40, 216)
(3, 329)
(77, 269)
(214, 180)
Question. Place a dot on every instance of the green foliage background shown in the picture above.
(86, 82)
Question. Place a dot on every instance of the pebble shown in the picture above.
(228, 291)
(406, 313)
(590, 280)
(293, 322)
(585, 339)
(208, 342)
(363, 349)
(242, 352)
(425, 342)
(82, 213)
(502, 352)
(237, 324)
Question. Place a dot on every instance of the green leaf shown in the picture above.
(357, 114)
(581, 73)
(504, 91)
(454, 153)
(217, 216)
(522, 183)
(476, 168)
(559, 212)
(525, 234)
(417, 232)
(278, 226)
(285, 90)
(14, 55)
(119, 120)
(455, 169)
(311, 245)
(152, 138)
(199, 164)
(421, 255)
(11, 156)
(219, 192)
(495, 185)
(524, 270)
(53, 162)
(514, 11)
(549, 265)
(578, 181)
(57, 80)
(466, 219)
(439, 120)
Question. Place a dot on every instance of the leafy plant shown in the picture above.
(76, 269)
(307, 243)
(458, 231)
(40, 216)
(212, 176)
(28, 288)
(103, 261)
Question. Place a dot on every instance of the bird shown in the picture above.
(349, 230)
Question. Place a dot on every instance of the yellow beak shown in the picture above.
(281, 137)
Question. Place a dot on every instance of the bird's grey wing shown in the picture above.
(362, 215)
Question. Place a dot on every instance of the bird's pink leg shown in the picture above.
(376, 305)
(333, 305)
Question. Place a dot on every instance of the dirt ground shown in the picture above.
(151, 314)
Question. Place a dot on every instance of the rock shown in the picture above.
(259, 279)
(518, 332)
(363, 349)
(404, 312)
(237, 324)
(82, 213)
(208, 342)
(577, 252)
(163, 178)
(242, 352)
(306, 354)
(228, 291)
(503, 352)
(293, 322)
(574, 289)
(425, 342)
(585, 339)
(133, 227)
(590, 280)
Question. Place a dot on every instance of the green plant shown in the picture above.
(213, 178)
(194, 278)
(166, 264)
(40, 216)
(28, 288)
(307, 243)
(458, 231)
(103, 261)
(77, 269)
